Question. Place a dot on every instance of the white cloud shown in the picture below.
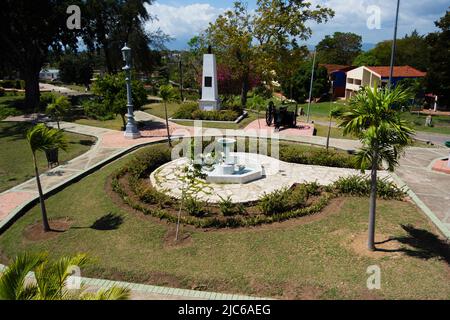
(351, 16)
(182, 21)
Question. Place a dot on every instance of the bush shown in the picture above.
(185, 111)
(195, 207)
(148, 160)
(316, 156)
(150, 195)
(275, 202)
(47, 98)
(228, 208)
(94, 109)
(2, 92)
(192, 111)
(358, 185)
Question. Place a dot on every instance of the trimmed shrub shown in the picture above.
(185, 111)
(358, 185)
(195, 207)
(316, 156)
(228, 208)
(150, 195)
(275, 202)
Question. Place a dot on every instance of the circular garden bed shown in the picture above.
(131, 183)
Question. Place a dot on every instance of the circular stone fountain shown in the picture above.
(235, 168)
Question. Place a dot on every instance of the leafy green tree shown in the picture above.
(167, 93)
(301, 82)
(51, 278)
(58, 109)
(411, 50)
(265, 42)
(279, 27)
(232, 39)
(41, 138)
(113, 92)
(382, 132)
(340, 48)
(29, 30)
(366, 59)
(438, 75)
(76, 68)
(108, 24)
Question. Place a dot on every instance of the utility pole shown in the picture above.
(180, 66)
(394, 47)
(311, 86)
(331, 117)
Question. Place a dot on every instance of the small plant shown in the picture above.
(358, 185)
(195, 207)
(150, 195)
(228, 208)
(275, 202)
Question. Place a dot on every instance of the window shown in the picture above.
(208, 82)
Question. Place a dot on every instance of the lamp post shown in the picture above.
(311, 86)
(131, 130)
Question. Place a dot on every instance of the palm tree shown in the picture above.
(41, 138)
(382, 132)
(58, 109)
(166, 93)
(51, 280)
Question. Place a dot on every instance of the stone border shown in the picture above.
(143, 288)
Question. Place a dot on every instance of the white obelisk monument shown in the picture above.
(210, 92)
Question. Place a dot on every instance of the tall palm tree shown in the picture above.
(51, 279)
(41, 138)
(166, 92)
(383, 134)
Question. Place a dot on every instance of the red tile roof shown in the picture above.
(399, 72)
(335, 67)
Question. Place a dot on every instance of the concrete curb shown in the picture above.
(150, 289)
(438, 223)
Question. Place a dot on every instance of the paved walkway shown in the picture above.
(432, 188)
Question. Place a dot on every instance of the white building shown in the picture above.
(371, 76)
(49, 74)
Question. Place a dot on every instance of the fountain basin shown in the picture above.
(243, 171)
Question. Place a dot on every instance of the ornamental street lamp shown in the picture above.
(131, 130)
(394, 45)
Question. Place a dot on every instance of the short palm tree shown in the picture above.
(50, 280)
(166, 92)
(42, 138)
(58, 109)
(382, 132)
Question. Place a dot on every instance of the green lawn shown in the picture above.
(441, 124)
(114, 124)
(9, 105)
(16, 164)
(287, 260)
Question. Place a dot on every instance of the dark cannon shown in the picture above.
(281, 117)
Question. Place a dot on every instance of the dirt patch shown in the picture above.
(163, 279)
(385, 245)
(184, 238)
(35, 232)
(294, 292)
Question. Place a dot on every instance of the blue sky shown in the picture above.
(184, 19)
